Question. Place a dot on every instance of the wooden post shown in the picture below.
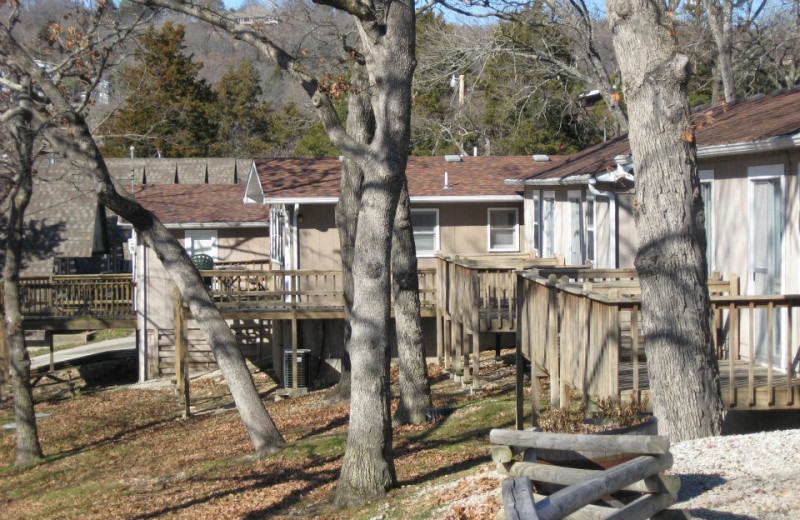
(733, 353)
(448, 343)
(4, 353)
(635, 352)
(552, 357)
(439, 334)
(476, 333)
(520, 364)
(48, 338)
(294, 298)
(181, 368)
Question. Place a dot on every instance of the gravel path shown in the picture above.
(740, 477)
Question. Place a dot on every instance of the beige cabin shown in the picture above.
(748, 161)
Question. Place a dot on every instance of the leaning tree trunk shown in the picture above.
(415, 390)
(79, 146)
(684, 376)
(29, 451)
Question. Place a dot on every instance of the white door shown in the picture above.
(765, 268)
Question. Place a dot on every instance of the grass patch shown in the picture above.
(127, 453)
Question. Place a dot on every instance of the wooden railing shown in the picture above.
(584, 330)
(77, 295)
(476, 294)
(258, 265)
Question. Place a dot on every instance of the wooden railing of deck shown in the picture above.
(476, 294)
(581, 327)
(77, 295)
(257, 265)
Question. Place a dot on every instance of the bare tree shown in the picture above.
(721, 21)
(386, 31)
(82, 54)
(684, 376)
(575, 31)
(17, 166)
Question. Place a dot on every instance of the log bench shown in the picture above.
(633, 490)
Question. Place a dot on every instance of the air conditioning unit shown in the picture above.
(303, 368)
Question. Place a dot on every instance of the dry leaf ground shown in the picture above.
(126, 453)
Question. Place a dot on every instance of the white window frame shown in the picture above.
(427, 254)
(276, 250)
(573, 196)
(707, 178)
(536, 222)
(549, 250)
(201, 234)
(590, 200)
(514, 248)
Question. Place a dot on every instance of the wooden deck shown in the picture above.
(582, 327)
(744, 394)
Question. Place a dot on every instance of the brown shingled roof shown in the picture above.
(62, 217)
(200, 204)
(188, 170)
(472, 176)
(754, 119)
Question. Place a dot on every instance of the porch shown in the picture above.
(582, 327)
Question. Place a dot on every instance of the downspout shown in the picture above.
(612, 202)
(295, 238)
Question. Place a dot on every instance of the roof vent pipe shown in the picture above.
(623, 160)
(133, 149)
(446, 182)
(158, 154)
(541, 158)
(474, 151)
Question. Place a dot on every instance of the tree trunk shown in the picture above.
(82, 150)
(720, 19)
(361, 126)
(29, 451)
(684, 376)
(415, 390)
(368, 465)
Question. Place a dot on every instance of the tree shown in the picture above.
(167, 109)
(386, 32)
(17, 168)
(244, 122)
(577, 32)
(671, 263)
(85, 51)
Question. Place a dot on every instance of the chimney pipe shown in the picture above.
(446, 182)
(133, 149)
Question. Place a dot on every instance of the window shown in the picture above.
(590, 233)
(706, 193)
(537, 222)
(425, 223)
(201, 242)
(277, 220)
(503, 229)
(549, 224)
(576, 228)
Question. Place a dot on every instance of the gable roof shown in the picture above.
(201, 205)
(290, 180)
(63, 218)
(178, 170)
(759, 123)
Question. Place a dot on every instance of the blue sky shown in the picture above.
(233, 4)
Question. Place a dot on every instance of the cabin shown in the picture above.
(459, 205)
(206, 219)
(582, 325)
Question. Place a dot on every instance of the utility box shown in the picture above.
(303, 368)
